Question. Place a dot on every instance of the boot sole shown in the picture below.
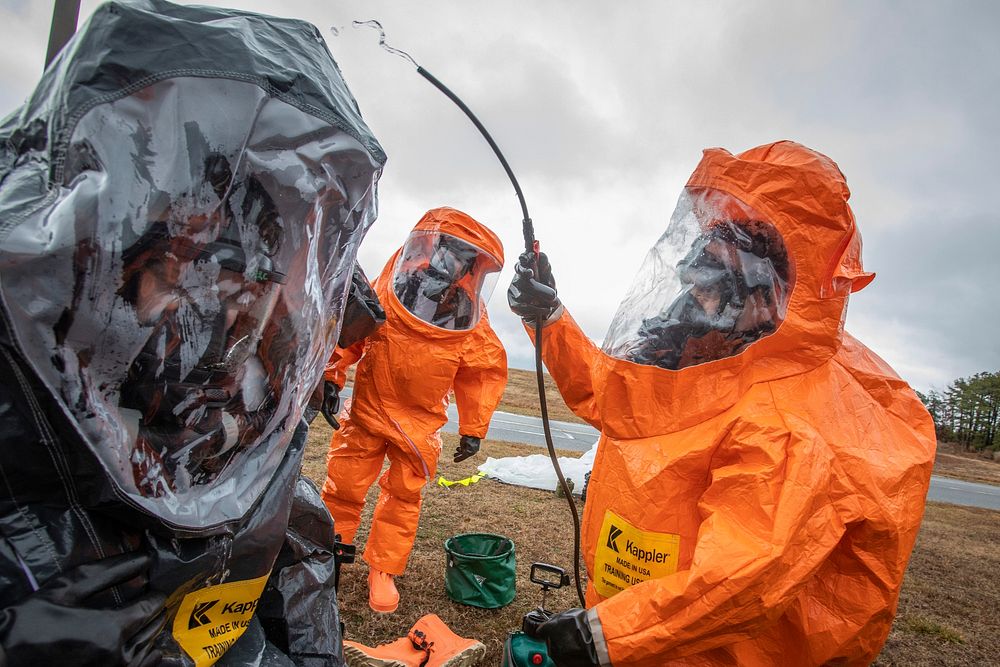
(355, 657)
(382, 608)
(470, 657)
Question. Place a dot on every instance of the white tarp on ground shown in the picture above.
(536, 471)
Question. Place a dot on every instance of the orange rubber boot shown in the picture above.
(445, 647)
(382, 594)
(400, 653)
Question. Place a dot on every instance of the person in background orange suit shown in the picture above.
(761, 474)
(436, 338)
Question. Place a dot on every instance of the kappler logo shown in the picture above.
(613, 534)
(198, 615)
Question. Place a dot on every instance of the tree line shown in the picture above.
(968, 411)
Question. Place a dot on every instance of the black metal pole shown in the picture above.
(64, 17)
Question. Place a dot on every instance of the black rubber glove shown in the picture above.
(468, 446)
(363, 313)
(533, 296)
(55, 626)
(568, 639)
(331, 403)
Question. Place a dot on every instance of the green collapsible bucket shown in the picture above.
(480, 570)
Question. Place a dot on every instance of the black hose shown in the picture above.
(526, 226)
(529, 246)
(555, 460)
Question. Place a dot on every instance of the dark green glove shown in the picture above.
(57, 625)
(532, 296)
(468, 446)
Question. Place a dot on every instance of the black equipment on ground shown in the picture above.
(523, 648)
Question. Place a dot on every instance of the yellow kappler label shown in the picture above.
(627, 555)
(210, 620)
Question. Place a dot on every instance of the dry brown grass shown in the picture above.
(521, 396)
(948, 609)
(537, 521)
(953, 461)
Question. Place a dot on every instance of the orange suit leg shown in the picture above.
(352, 464)
(397, 512)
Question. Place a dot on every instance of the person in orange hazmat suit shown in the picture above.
(436, 338)
(761, 474)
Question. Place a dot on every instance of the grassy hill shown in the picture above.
(521, 396)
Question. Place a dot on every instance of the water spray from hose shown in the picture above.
(375, 25)
(527, 227)
(530, 246)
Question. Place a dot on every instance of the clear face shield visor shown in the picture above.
(717, 281)
(182, 293)
(191, 401)
(444, 280)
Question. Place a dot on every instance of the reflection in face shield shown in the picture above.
(451, 261)
(183, 288)
(732, 277)
(194, 407)
(439, 278)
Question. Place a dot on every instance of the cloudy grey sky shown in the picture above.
(602, 109)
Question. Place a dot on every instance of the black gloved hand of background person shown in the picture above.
(533, 296)
(55, 625)
(331, 403)
(468, 446)
(569, 640)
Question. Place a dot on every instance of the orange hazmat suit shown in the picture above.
(760, 508)
(406, 370)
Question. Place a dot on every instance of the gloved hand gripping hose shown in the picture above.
(530, 245)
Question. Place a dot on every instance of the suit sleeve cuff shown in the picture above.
(556, 314)
(597, 632)
(551, 319)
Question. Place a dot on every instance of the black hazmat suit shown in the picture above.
(181, 202)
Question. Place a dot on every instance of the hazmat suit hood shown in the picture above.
(444, 274)
(818, 239)
(757, 504)
(180, 224)
(436, 344)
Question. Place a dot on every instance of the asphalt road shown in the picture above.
(528, 430)
(957, 492)
(580, 437)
